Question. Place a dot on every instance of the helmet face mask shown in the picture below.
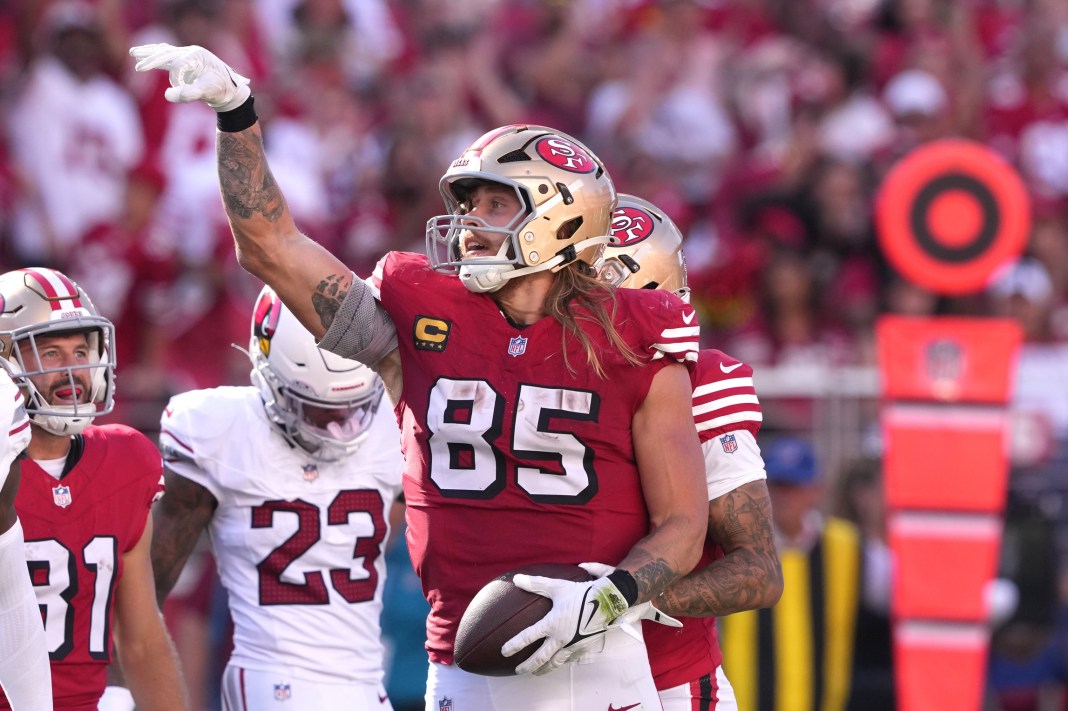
(320, 402)
(36, 306)
(566, 194)
(647, 250)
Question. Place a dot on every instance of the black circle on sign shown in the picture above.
(930, 243)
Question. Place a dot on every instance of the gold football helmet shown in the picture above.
(567, 198)
(39, 302)
(646, 252)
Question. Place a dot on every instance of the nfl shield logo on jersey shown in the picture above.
(311, 472)
(517, 346)
(61, 495)
(282, 692)
(445, 704)
(729, 443)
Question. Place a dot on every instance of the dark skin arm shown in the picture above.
(749, 576)
(179, 519)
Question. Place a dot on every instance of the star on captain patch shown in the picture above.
(61, 496)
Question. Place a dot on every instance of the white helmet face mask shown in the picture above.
(37, 305)
(566, 199)
(646, 251)
(320, 402)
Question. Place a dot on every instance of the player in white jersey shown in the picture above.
(740, 568)
(24, 671)
(293, 477)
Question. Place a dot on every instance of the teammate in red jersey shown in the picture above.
(545, 415)
(24, 673)
(84, 499)
(740, 568)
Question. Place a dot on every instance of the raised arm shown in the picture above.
(310, 280)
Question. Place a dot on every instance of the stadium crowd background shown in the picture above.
(763, 127)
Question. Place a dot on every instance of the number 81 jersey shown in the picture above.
(298, 543)
(77, 529)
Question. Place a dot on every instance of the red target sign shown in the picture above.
(950, 213)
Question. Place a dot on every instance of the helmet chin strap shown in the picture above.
(65, 425)
(486, 278)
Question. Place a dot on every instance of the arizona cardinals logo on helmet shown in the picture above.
(265, 320)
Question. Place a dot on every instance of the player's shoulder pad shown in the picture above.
(668, 326)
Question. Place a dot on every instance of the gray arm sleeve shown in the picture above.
(361, 330)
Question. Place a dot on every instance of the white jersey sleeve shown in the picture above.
(14, 423)
(298, 543)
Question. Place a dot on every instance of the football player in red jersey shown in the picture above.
(740, 568)
(545, 415)
(84, 499)
(24, 673)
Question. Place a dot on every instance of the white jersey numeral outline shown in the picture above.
(54, 595)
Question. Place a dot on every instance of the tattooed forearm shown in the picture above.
(653, 577)
(248, 187)
(328, 297)
(749, 575)
(178, 520)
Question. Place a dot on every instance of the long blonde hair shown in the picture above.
(577, 284)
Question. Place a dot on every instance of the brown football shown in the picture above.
(499, 612)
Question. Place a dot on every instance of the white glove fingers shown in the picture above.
(159, 59)
(528, 636)
(597, 570)
(538, 584)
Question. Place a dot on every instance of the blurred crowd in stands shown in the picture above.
(763, 127)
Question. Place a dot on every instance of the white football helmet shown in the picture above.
(646, 252)
(566, 194)
(320, 402)
(38, 302)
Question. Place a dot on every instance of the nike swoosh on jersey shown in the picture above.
(729, 368)
(687, 318)
(613, 707)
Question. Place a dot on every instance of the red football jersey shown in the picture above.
(77, 528)
(510, 458)
(724, 402)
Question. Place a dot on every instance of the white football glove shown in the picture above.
(629, 622)
(196, 75)
(580, 611)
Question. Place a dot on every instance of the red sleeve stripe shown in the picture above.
(15, 430)
(170, 434)
(733, 418)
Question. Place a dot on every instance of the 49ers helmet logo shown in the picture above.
(265, 320)
(565, 155)
(631, 225)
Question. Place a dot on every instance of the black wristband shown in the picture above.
(238, 119)
(626, 584)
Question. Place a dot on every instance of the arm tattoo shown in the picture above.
(247, 185)
(653, 576)
(179, 518)
(749, 575)
(328, 297)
